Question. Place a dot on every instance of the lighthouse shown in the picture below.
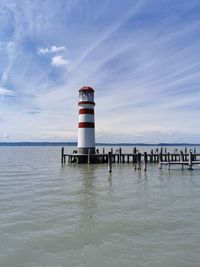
(86, 124)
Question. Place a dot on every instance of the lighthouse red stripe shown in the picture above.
(86, 111)
(86, 125)
(86, 102)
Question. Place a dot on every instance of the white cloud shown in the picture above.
(59, 61)
(57, 48)
(6, 92)
(52, 49)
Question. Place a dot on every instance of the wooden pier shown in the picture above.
(159, 156)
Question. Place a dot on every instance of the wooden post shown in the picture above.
(151, 157)
(62, 155)
(127, 158)
(156, 155)
(190, 161)
(113, 155)
(109, 161)
(168, 160)
(117, 155)
(194, 156)
(160, 160)
(120, 155)
(134, 155)
(139, 161)
(145, 161)
(161, 154)
(123, 158)
(186, 156)
(181, 156)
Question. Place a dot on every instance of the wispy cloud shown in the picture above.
(107, 33)
(6, 92)
(52, 49)
(10, 50)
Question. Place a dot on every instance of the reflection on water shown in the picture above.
(87, 195)
(142, 177)
(81, 215)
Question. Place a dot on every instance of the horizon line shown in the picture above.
(73, 143)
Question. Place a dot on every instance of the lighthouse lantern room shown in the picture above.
(86, 123)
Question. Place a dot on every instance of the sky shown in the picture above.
(142, 57)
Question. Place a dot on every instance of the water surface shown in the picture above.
(82, 216)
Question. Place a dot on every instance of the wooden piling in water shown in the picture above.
(138, 166)
(168, 161)
(120, 155)
(109, 161)
(181, 159)
(145, 161)
(151, 156)
(62, 155)
(190, 161)
(195, 153)
(134, 157)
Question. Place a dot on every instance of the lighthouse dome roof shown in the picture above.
(86, 89)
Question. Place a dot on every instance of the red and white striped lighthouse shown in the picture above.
(86, 125)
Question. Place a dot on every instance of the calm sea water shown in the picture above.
(82, 216)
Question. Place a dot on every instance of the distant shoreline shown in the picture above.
(97, 144)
